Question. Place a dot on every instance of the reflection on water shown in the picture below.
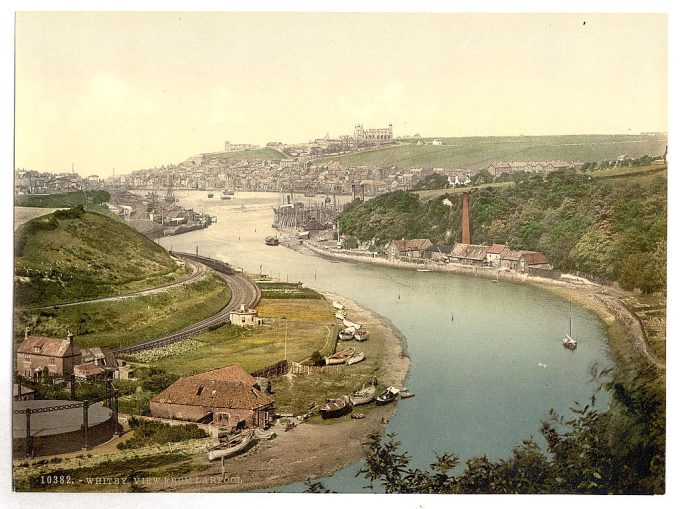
(487, 360)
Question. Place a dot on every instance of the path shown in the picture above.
(197, 273)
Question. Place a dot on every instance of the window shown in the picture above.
(53, 362)
(27, 358)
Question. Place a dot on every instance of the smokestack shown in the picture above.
(466, 218)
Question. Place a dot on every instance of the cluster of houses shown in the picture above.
(544, 167)
(39, 357)
(495, 255)
(227, 397)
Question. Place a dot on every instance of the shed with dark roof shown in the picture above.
(228, 397)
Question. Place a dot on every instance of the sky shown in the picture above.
(125, 91)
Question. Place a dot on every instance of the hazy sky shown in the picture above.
(134, 90)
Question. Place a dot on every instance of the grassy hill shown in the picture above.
(611, 224)
(478, 152)
(247, 155)
(74, 254)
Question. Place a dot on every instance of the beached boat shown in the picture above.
(231, 447)
(340, 315)
(227, 192)
(346, 334)
(404, 393)
(271, 241)
(349, 323)
(210, 195)
(569, 342)
(358, 416)
(223, 197)
(363, 395)
(390, 395)
(357, 357)
(336, 407)
(337, 305)
(340, 357)
(361, 334)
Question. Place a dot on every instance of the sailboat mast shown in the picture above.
(570, 319)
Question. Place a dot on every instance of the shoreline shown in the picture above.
(309, 451)
(601, 300)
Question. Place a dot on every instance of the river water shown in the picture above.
(487, 362)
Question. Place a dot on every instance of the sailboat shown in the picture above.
(568, 341)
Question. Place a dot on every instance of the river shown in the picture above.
(487, 362)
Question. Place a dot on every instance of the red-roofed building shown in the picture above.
(228, 397)
(36, 353)
(533, 259)
(413, 248)
(493, 254)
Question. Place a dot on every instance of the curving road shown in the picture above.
(243, 292)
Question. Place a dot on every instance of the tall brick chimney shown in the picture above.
(466, 219)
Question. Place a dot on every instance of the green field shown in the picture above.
(308, 325)
(436, 193)
(478, 152)
(129, 321)
(248, 155)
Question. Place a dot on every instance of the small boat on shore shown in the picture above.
(357, 357)
(271, 241)
(339, 357)
(337, 305)
(336, 407)
(404, 393)
(349, 323)
(389, 396)
(223, 197)
(363, 395)
(210, 195)
(340, 315)
(232, 446)
(346, 334)
(361, 334)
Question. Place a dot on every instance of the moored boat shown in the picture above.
(340, 357)
(389, 396)
(271, 241)
(404, 393)
(357, 357)
(361, 334)
(568, 341)
(336, 407)
(231, 447)
(346, 334)
(363, 395)
(349, 323)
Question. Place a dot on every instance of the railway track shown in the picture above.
(243, 292)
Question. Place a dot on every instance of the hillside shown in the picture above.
(613, 227)
(247, 155)
(73, 254)
(478, 152)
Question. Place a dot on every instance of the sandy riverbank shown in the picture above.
(309, 451)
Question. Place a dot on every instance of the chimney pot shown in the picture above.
(27, 332)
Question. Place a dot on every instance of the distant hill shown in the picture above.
(478, 152)
(74, 254)
(609, 223)
(247, 155)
